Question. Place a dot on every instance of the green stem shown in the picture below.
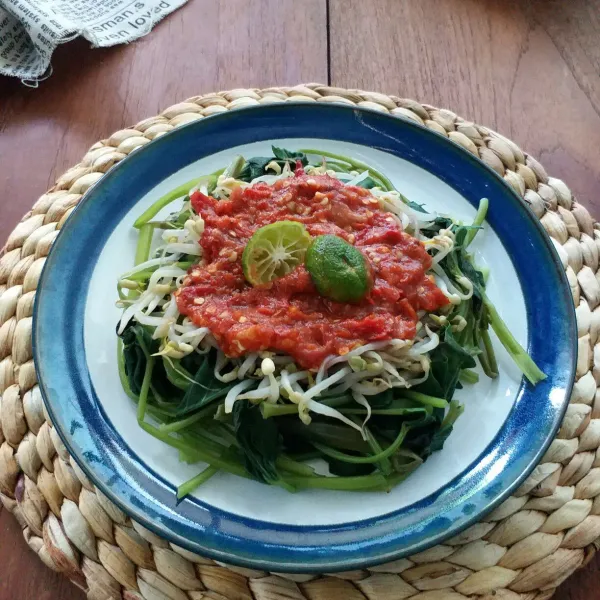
(425, 399)
(485, 365)
(191, 484)
(385, 466)
(143, 401)
(525, 363)
(485, 271)
(357, 164)
(177, 375)
(181, 445)
(338, 166)
(235, 166)
(293, 466)
(156, 412)
(173, 195)
(489, 351)
(477, 222)
(199, 441)
(200, 448)
(359, 482)
(122, 375)
(162, 224)
(165, 200)
(142, 251)
(456, 409)
(269, 410)
(225, 433)
(469, 376)
(167, 407)
(362, 460)
(398, 411)
(281, 410)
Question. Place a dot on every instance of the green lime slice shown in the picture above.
(274, 251)
(339, 270)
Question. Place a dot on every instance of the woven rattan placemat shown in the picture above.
(522, 550)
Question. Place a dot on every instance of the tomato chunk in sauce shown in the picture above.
(288, 315)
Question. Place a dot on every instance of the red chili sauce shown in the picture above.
(288, 315)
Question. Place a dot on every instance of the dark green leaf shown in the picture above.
(406, 461)
(471, 273)
(206, 387)
(258, 439)
(176, 373)
(421, 434)
(452, 347)
(137, 343)
(429, 435)
(437, 442)
(447, 360)
(341, 437)
(439, 438)
(192, 362)
(210, 188)
(135, 361)
(254, 167)
(367, 183)
(381, 400)
(438, 224)
(414, 205)
(169, 394)
(289, 155)
(345, 469)
(459, 262)
(178, 219)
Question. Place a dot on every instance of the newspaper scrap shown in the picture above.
(30, 30)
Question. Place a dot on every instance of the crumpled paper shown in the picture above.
(30, 30)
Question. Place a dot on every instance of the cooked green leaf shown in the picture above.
(137, 345)
(206, 387)
(336, 436)
(441, 435)
(367, 183)
(381, 400)
(258, 439)
(289, 155)
(256, 166)
(447, 361)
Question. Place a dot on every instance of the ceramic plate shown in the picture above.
(503, 433)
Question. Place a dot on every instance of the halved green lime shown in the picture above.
(274, 251)
(339, 270)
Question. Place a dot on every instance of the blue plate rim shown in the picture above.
(329, 562)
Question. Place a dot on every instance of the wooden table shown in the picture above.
(528, 69)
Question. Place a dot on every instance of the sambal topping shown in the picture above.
(289, 315)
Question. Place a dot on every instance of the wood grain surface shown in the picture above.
(205, 46)
(530, 69)
(508, 65)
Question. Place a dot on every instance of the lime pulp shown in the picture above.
(274, 251)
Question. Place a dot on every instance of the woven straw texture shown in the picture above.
(521, 551)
